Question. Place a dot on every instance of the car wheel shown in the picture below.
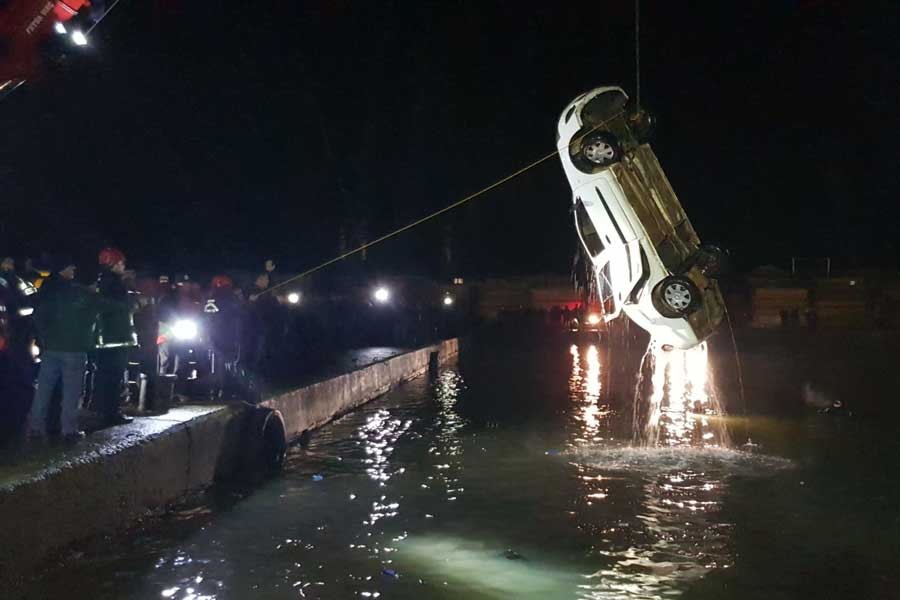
(676, 296)
(600, 149)
(713, 261)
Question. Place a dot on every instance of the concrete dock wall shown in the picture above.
(107, 483)
(119, 475)
(312, 406)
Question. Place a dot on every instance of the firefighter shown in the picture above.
(115, 336)
(223, 315)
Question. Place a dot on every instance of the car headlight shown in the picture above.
(185, 330)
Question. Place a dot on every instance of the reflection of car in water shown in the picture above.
(647, 257)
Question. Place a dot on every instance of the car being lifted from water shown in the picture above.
(647, 258)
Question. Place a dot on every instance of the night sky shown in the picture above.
(210, 135)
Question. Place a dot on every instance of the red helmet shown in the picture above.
(221, 282)
(110, 256)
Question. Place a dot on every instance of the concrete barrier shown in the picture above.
(103, 485)
(119, 475)
(314, 405)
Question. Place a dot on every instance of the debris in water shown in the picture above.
(511, 554)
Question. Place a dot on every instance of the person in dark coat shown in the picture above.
(223, 317)
(115, 336)
(65, 319)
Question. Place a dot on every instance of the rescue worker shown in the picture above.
(18, 301)
(65, 316)
(265, 327)
(115, 336)
(223, 317)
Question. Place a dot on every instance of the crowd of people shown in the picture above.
(61, 338)
(69, 341)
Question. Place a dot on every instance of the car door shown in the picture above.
(607, 253)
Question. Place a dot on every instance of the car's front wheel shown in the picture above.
(676, 296)
(600, 149)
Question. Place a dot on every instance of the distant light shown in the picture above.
(293, 298)
(458, 281)
(35, 350)
(185, 330)
(26, 311)
(593, 318)
(382, 295)
(448, 300)
(852, 282)
(79, 38)
(60, 28)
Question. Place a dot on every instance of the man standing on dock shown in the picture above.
(115, 336)
(65, 318)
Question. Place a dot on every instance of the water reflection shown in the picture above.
(677, 533)
(585, 388)
(447, 446)
(652, 513)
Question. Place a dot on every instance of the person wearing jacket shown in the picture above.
(115, 336)
(65, 317)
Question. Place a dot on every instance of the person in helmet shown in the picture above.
(115, 336)
(223, 317)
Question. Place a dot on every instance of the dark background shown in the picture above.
(208, 135)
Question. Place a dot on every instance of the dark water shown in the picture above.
(515, 475)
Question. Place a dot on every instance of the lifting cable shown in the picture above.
(637, 56)
(447, 208)
(103, 16)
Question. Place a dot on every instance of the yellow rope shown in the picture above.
(447, 208)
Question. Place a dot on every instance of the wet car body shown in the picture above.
(648, 259)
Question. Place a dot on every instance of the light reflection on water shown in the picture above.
(419, 501)
(678, 532)
(585, 389)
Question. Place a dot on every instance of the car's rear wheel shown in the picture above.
(713, 261)
(676, 296)
(600, 149)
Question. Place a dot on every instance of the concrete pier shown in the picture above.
(53, 498)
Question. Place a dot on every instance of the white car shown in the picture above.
(648, 260)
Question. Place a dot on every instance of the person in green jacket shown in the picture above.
(65, 318)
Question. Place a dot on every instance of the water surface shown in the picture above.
(516, 474)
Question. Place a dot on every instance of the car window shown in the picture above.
(587, 231)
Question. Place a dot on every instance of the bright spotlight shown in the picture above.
(593, 319)
(448, 300)
(382, 295)
(293, 298)
(79, 38)
(60, 28)
(185, 330)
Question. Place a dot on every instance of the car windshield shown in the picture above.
(586, 230)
